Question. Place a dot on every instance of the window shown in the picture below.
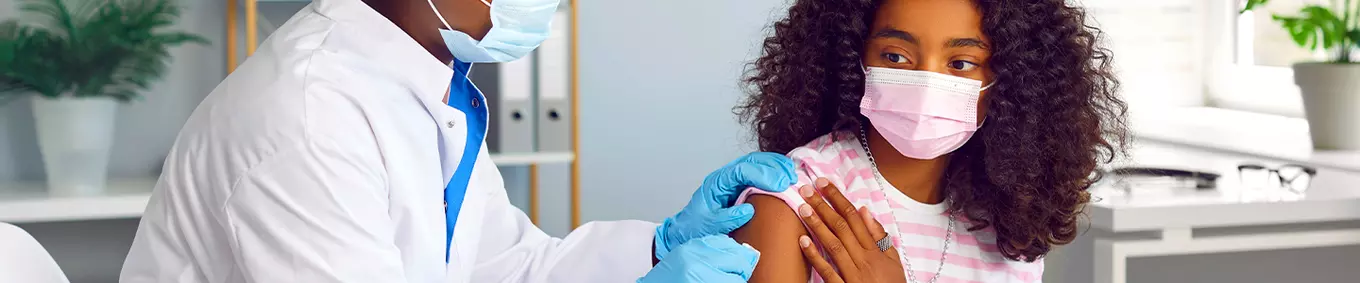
(1158, 48)
(1250, 67)
(1178, 53)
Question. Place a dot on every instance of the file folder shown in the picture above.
(554, 87)
(509, 90)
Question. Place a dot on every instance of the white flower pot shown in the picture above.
(74, 135)
(1331, 100)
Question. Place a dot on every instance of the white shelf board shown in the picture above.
(529, 158)
(29, 202)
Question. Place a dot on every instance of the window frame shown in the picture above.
(1232, 80)
(1142, 97)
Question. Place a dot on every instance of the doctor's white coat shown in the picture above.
(324, 157)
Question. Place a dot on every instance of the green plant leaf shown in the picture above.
(114, 48)
(1355, 37)
(1292, 25)
(1316, 27)
(9, 84)
(58, 15)
(1331, 26)
(22, 70)
(1252, 4)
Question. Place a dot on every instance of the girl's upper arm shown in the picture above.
(774, 231)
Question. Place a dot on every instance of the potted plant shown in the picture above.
(1331, 89)
(77, 62)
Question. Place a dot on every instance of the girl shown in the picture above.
(970, 129)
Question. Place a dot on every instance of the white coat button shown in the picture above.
(450, 124)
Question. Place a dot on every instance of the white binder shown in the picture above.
(554, 87)
(509, 90)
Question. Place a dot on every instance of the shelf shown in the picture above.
(29, 202)
(529, 158)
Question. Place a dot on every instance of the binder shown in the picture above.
(554, 87)
(509, 90)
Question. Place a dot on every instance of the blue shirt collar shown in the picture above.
(460, 67)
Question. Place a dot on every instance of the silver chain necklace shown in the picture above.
(882, 182)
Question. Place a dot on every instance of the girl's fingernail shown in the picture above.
(804, 241)
(806, 191)
(822, 182)
(805, 210)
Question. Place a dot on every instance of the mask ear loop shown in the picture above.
(448, 27)
(984, 117)
(440, 16)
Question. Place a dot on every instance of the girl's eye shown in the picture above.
(895, 58)
(962, 66)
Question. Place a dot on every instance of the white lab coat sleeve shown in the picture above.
(314, 212)
(514, 250)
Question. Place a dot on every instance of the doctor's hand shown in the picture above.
(710, 210)
(712, 259)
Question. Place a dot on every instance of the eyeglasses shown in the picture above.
(1293, 177)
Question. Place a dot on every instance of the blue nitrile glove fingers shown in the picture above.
(731, 218)
(708, 211)
(765, 170)
(717, 259)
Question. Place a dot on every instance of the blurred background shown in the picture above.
(649, 99)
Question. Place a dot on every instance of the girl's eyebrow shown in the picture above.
(966, 42)
(894, 33)
(890, 32)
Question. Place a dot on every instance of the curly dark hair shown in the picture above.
(1053, 113)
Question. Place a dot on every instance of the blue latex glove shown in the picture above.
(710, 210)
(712, 259)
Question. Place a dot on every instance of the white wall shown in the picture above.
(658, 82)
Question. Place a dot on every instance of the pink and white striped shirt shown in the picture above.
(917, 229)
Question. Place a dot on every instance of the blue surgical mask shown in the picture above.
(517, 27)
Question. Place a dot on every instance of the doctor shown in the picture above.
(348, 150)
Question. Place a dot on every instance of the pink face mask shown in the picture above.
(922, 114)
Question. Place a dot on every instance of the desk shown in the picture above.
(1233, 218)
